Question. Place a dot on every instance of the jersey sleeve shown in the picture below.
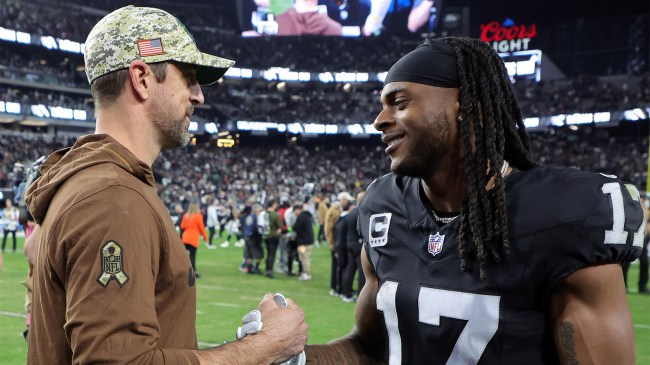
(108, 264)
(611, 230)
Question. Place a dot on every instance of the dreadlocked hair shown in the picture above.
(491, 127)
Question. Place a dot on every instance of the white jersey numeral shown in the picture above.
(386, 303)
(480, 311)
(617, 235)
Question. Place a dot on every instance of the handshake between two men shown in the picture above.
(289, 317)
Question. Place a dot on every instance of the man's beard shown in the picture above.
(426, 150)
(172, 133)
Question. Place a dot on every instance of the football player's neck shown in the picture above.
(445, 189)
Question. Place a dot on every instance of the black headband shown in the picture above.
(432, 63)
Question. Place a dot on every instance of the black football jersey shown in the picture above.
(559, 221)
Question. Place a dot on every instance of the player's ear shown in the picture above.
(139, 81)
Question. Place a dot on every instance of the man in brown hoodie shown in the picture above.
(112, 283)
(304, 19)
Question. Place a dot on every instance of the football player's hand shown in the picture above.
(284, 322)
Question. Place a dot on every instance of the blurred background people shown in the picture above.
(212, 222)
(304, 239)
(10, 224)
(271, 235)
(193, 228)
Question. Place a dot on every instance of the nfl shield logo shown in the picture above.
(435, 243)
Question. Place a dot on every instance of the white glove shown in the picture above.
(252, 324)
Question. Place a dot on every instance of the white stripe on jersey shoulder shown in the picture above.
(609, 176)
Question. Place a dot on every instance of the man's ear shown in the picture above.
(140, 82)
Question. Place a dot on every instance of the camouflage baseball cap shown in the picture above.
(148, 34)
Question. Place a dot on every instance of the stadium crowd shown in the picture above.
(340, 103)
(298, 171)
(259, 100)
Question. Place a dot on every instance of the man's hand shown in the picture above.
(299, 359)
(284, 322)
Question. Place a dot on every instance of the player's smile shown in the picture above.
(392, 140)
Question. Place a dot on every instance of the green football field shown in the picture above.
(225, 294)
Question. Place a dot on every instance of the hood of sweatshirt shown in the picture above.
(87, 151)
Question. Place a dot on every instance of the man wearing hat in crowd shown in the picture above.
(113, 284)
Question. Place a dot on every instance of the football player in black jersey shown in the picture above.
(472, 253)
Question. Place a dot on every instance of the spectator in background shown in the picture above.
(331, 218)
(223, 212)
(29, 249)
(340, 247)
(192, 225)
(353, 244)
(180, 212)
(322, 206)
(212, 222)
(253, 251)
(272, 235)
(233, 226)
(290, 217)
(304, 239)
(283, 245)
(10, 220)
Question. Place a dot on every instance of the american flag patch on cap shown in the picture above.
(150, 47)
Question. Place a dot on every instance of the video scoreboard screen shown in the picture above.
(351, 18)
(523, 65)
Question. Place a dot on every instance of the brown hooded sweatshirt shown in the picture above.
(292, 22)
(112, 283)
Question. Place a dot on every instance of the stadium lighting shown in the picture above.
(325, 77)
(602, 117)
(634, 114)
(69, 46)
(531, 122)
(370, 129)
(12, 108)
(40, 110)
(355, 129)
(49, 42)
(211, 128)
(80, 114)
(7, 34)
(295, 128)
(558, 120)
(4, 108)
(579, 118)
(22, 37)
